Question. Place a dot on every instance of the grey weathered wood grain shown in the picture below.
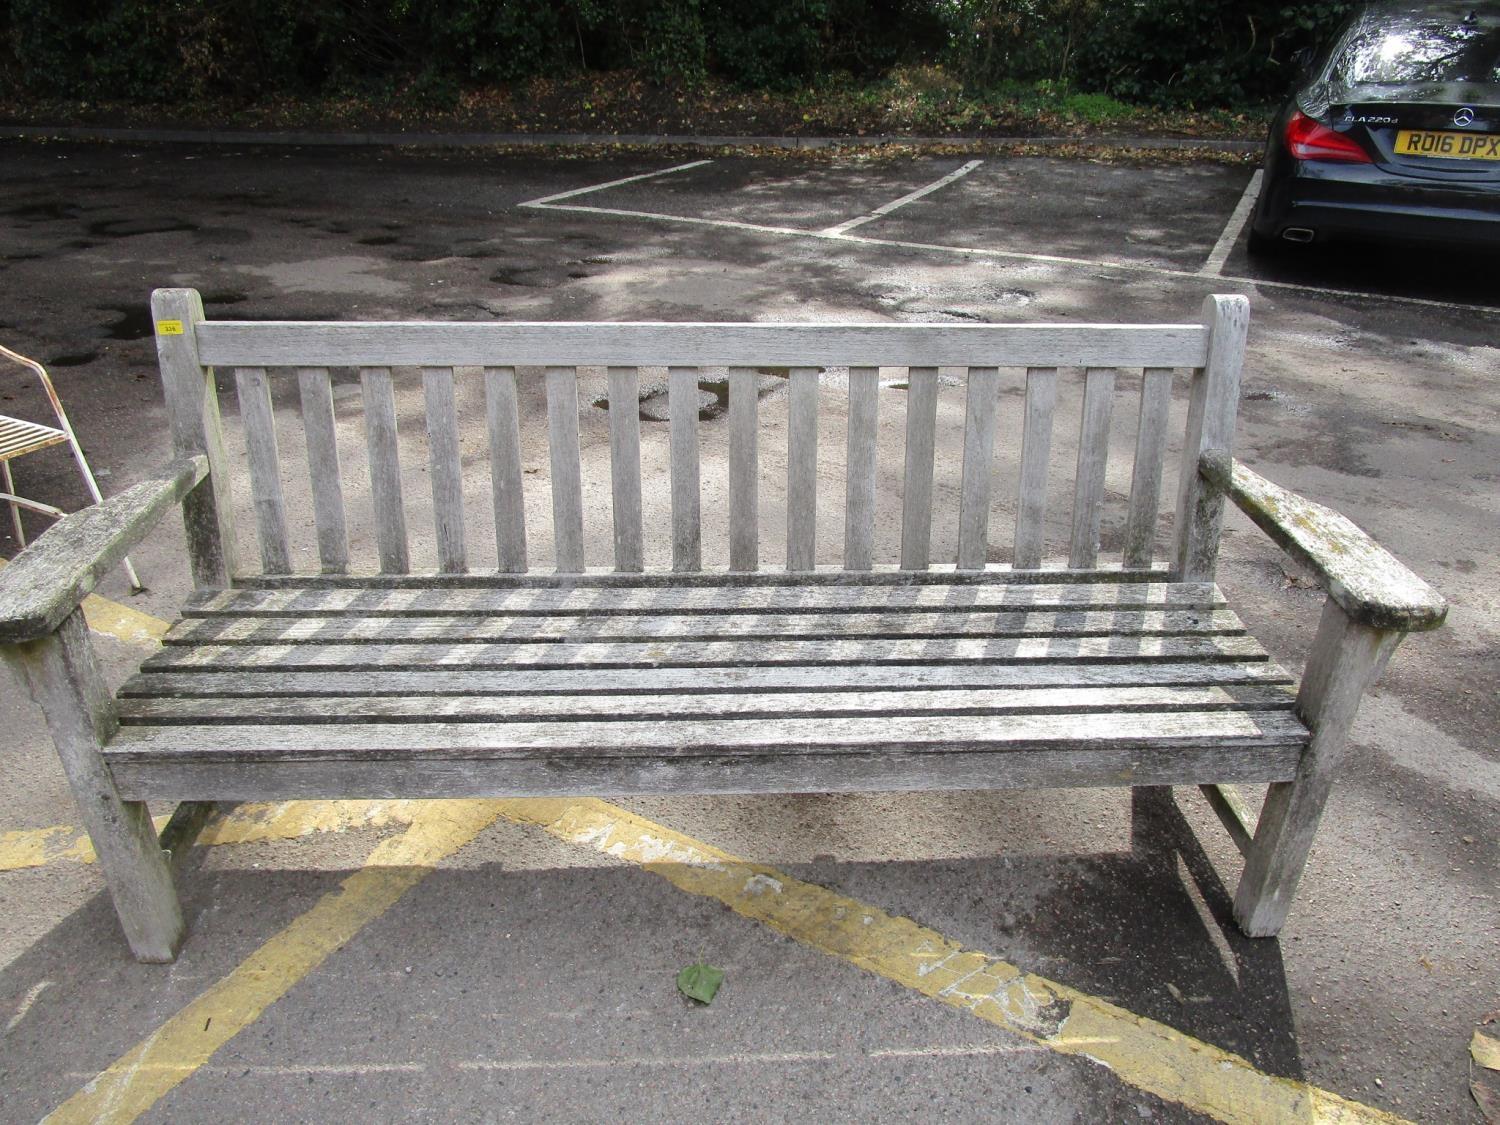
(409, 776)
(802, 469)
(451, 684)
(1370, 583)
(1346, 658)
(308, 603)
(385, 469)
(640, 708)
(567, 479)
(1212, 403)
(789, 736)
(1226, 802)
(979, 453)
(504, 423)
(57, 571)
(533, 683)
(682, 408)
(316, 391)
(193, 414)
(625, 467)
(1093, 459)
(744, 471)
(351, 628)
(65, 680)
(556, 343)
(187, 821)
(1036, 450)
(1145, 479)
(916, 493)
(265, 469)
(883, 574)
(859, 504)
(445, 464)
(716, 653)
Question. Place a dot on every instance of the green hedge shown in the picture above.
(1168, 52)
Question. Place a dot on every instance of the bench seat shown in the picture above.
(732, 684)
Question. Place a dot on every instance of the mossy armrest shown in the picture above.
(48, 580)
(1369, 583)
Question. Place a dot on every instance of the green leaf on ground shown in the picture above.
(700, 982)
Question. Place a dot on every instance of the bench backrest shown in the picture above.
(737, 356)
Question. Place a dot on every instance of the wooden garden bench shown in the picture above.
(467, 681)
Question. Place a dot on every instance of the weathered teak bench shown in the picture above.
(571, 680)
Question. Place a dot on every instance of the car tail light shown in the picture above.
(1307, 139)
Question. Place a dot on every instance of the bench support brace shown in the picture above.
(64, 677)
(1347, 657)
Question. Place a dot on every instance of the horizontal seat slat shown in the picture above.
(562, 344)
(938, 574)
(736, 705)
(785, 736)
(366, 684)
(303, 603)
(689, 654)
(702, 627)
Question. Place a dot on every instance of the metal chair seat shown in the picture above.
(20, 436)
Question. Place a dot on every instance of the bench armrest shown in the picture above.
(49, 579)
(1365, 579)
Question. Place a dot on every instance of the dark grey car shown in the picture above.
(1393, 133)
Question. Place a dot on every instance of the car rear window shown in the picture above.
(1451, 45)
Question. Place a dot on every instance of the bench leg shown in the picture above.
(1346, 658)
(63, 675)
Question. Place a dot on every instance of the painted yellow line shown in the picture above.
(244, 824)
(120, 621)
(151, 1069)
(1148, 1055)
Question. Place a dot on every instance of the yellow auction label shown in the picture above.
(169, 328)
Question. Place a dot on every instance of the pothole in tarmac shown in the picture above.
(712, 397)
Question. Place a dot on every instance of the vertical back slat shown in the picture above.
(505, 468)
(1093, 457)
(1036, 450)
(859, 505)
(193, 413)
(385, 469)
(916, 501)
(744, 471)
(265, 468)
(316, 390)
(802, 469)
(682, 409)
(445, 468)
(625, 466)
(979, 449)
(1212, 404)
(567, 478)
(1145, 478)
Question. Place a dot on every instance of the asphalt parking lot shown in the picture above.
(530, 974)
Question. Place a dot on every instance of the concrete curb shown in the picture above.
(544, 140)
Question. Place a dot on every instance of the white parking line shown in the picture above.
(613, 183)
(896, 204)
(547, 204)
(1220, 253)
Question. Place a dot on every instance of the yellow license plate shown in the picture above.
(1448, 146)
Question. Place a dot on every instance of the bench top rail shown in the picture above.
(564, 344)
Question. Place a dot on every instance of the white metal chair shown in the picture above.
(18, 437)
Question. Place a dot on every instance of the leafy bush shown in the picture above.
(1167, 52)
